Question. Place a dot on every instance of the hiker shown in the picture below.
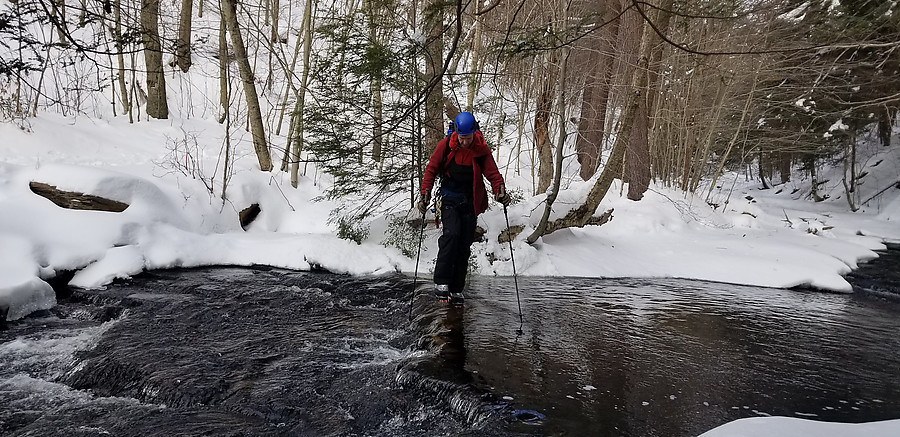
(462, 160)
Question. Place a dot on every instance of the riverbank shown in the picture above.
(740, 234)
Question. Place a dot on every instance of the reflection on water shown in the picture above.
(676, 358)
(266, 352)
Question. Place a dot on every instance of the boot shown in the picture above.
(442, 291)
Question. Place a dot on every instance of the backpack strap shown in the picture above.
(445, 162)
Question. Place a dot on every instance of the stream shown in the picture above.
(258, 351)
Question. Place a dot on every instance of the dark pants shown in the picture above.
(454, 246)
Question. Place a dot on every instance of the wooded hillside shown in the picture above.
(645, 91)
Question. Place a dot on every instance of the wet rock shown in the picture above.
(248, 214)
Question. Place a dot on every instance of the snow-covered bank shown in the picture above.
(772, 238)
(794, 427)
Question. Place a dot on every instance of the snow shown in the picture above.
(770, 238)
(762, 237)
(794, 427)
(838, 125)
(176, 218)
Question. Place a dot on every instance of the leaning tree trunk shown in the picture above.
(183, 43)
(561, 141)
(229, 12)
(584, 214)
(156, 78)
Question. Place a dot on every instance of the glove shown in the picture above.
(423, 203)
(501, 196)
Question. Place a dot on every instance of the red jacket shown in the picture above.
(478, 155)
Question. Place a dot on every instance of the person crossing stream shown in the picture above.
(461, 161)
(228, 351)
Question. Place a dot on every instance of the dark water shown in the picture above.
(228, 351)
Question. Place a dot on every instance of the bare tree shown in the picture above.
(120, 56)
(433, 27)
(637, 159)
(584, 214)
(229, 13)
(560, 144)
(223, 69)
(183, 43)
(599, 56)
(301, 96)
(157, 107)
(542, 132)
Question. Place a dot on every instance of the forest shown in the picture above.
(661, 92)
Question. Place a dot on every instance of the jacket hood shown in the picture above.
(478, 148)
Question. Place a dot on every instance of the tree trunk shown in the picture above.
(542, 134)
(183, 43)
(849, 165)
(377, 119)
(375, 85)
(290, 90)
(737, 132)
(814, 177)
(762, 173)
(784, 166)
(595, 100)
(157, 107)
(637, 157)
(853, 162)
(584, 214)
(637, 161)
(297, 146)
(120, 57)
(58, 12)
(434, 52)
(223, 69)
(702, 157)
(229, 12)
(475, 67)
(561, 141)
(885, 122)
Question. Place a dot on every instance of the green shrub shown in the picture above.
(402, 235)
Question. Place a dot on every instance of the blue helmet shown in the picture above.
(465, 123)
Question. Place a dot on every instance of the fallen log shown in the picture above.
(75, 200)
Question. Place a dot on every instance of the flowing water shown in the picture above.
(237, 351)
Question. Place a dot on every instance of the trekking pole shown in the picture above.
(416, 274)
(515, 277)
